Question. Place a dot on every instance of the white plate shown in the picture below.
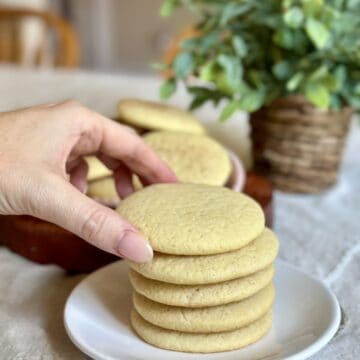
(306, 317)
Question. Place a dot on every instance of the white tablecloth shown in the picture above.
(320, 234)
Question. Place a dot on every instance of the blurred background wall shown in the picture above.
(113, 35)
(122, 34)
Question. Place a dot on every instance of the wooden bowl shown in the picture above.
(260, 189)
(46, 243)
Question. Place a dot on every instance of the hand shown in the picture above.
(43, 173)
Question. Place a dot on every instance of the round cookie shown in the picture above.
(96, 168)
(196, 159)
(201, 343)
(151, 115)
(206, 319)
(195, 270)
(194, 296)
(104, 191)
(193, 219)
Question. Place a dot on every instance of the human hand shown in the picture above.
(43, 173)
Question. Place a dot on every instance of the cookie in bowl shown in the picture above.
(104, 191)
(146, 115)
(197, 159)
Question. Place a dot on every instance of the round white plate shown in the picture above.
(306, 317)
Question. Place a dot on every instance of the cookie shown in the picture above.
(201, 343)
(104, 191)
(195, 270)
(193, 219)
(193, 158)
(96, 168)
(156, 116)
(201, 295)
(206, 319)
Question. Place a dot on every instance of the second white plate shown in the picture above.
(306, 317)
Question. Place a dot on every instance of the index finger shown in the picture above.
(121, 144)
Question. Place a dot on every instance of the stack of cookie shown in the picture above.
(209, 286)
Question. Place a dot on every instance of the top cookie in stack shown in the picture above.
(209, 286)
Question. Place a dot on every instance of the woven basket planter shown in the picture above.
(297, 146)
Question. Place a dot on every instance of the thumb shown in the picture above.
(100, 226)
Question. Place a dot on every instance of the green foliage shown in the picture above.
(167, 89)
(249, 52)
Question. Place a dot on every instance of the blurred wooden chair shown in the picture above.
(65, 53)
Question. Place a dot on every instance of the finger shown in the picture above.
(62, 204)
(119, 143)
(123, 181)
(109, 162)
(129, 129)
(144, 181)
(78, 170)
(122, 175)
(138, 156)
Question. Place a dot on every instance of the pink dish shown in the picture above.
(237, 178)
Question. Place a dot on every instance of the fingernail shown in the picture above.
(134, 247)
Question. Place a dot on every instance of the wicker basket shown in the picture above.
(297, 146)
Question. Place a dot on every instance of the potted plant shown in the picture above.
(294, 65)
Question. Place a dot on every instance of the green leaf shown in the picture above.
(357, 89)
(312, 7)
(317, 32)
(282, 70)
(329, 15)
(222, 83)
(330, 82)
(208, 41)
(184, 64)
(319, 73)
(239, 45)
(294, 17)
(340, 74)
(232, 68)
(270, 96)
(229, 110)
(287, 3)
(294, 81)
(317, 94)
(204, 94)
(251, 101)
(255, 77)
(167, 89)
(284, 38)
(354, 101)
(207, 72)
(201, 43)
(233, 10)
(198, 101)
(168, 7)
(335, 102)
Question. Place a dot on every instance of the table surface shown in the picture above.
(318, 233)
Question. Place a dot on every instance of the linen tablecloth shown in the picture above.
(319, 233)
